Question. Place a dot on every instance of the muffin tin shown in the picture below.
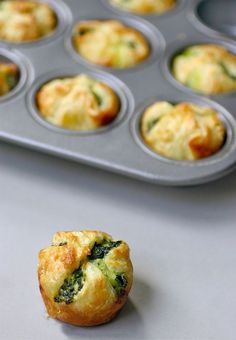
(118, 147)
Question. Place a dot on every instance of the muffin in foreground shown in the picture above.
(210, 69)
(110, 43)
(184, 131)
(78, 103)
(84, 277)
(144, 6)
(9, 76)
(24, 21)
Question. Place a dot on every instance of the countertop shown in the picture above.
(182, 244)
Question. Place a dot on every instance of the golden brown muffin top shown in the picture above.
(9, 76)
(78, 103)
(110, 43)
(24, 21)
(144, 6)
(84, 276)
(183, 131)
(208, 68)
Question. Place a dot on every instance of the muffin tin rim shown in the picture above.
(152, 34)
(63, 16)
(226, 117)
(122, 91)
(174, 49)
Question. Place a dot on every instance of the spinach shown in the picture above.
(70, 288)
(152, 123)
(84, 31)
(226, 71)
(120, 284)
(101, 250)
(117, 280)
(97, 97)
(62, 244)
(11, 80)
(132, 44)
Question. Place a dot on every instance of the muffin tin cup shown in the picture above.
(26, 72)
(179, 5)
(121, 90)
(117, 147)
(176, 48)
(63, 16)
(214, 17)
(150, 32)
(227, 119)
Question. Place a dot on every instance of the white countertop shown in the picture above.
(182, 244)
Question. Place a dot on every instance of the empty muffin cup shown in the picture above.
(218, 16)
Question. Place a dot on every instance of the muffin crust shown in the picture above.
(9, 75)
(144, 6)
(84, 277)
(25, 21)
(210, 69)
(110, 43)
(183, 131)
(78, 103)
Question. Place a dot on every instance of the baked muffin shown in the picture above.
(209, 69)
(9, 76)
(144, 6)
(183, 131)
(77, 103)
(110, 43)
(24, 21)
(84, 277)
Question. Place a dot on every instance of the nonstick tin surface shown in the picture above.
(117, 147)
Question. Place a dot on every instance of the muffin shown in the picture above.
(209, 69)
(183, 131)
(77, 103)
(24, 21)
(144, 6)
(9, 76)
(84, 277)
(110, 43)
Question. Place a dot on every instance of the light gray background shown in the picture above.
(182, 245)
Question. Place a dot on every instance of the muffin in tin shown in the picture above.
(25, 21)
(183, 131)
(78, 103)
(84, 277)
(144, 6)
(110, 43)
(207, 68)
(9, 77)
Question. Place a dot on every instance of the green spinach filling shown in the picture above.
(118, 281)
(101, 250)
(152, 123)
(71, 286)
(74, 282)
(226, 71)
(11, 80)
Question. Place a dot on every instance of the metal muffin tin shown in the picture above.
(118, 147)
